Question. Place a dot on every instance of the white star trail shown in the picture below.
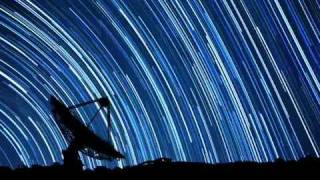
(203, 81)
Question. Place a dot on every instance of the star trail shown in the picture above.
(201, 81)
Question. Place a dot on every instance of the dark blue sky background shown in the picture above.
(204, 81)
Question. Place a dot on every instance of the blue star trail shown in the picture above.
(201, 81)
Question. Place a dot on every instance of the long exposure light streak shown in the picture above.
(204, 81)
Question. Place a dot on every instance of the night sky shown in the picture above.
(201, 81)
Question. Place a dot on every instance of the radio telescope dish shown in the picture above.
(79, 137)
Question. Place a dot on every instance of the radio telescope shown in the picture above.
(79, 136)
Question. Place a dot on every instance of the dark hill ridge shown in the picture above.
(165, 168)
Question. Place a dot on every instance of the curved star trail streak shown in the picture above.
(207, 81)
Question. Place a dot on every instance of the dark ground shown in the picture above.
(307, 167)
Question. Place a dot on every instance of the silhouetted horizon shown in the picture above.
(163, 167)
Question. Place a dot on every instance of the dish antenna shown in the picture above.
(79, 136)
